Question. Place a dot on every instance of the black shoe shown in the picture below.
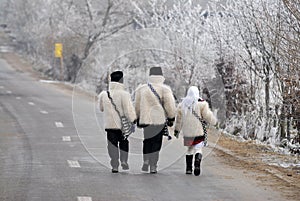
(125, 165)
(197, 163)
(114, 170)
(197, 171)
(153, 170)
(189, 164)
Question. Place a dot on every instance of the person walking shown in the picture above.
(115, 102)
(155, 107)
(190, 112)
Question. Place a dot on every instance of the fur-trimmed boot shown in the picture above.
(197, 164)
(189, 164)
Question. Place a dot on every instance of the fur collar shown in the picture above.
(156, 79)
(116, 86)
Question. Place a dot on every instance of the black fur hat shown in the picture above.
(156, 71)
(116, 76)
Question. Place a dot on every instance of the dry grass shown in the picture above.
(254, 158)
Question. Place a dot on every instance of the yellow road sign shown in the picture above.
(58, 50)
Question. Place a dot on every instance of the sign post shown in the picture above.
(58, 52)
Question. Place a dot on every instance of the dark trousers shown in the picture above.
(153, 135)
(117, 146)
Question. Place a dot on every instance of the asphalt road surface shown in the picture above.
(53, 148)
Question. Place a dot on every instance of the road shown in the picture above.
(53, 148)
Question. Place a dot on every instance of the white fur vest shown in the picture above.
(188, 124)
(147, 106)
(123, 102)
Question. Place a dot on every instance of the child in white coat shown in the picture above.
(190, 112)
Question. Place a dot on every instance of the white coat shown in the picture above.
(123, 102)
(147, 106)
(188, 124)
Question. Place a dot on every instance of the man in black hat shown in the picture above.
(116, 98)
(154, 103)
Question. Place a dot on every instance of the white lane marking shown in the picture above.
(9, 92)
(84, 198)
(44, 112)
(66, 139)
(59, 124)
(31, 103)
(49, 81)
(73, 164)
(1, 87)
(18, 98)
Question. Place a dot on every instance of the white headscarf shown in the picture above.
(192, 97)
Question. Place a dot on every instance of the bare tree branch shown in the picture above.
(107, 12)
(88, 6)
(292, 6)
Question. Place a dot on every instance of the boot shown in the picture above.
(125, 165)
(153, 159)
(114, 170)
(197, 163)
(189, 164)
(145, 166)
(153, 169)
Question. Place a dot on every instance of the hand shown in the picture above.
(170, 123)
(133, 128)
(176, 134)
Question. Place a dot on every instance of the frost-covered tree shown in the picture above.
(256, 35)
(255, 59)
(185, 25)
(79, 25)
(289, 38)
(249, 43)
